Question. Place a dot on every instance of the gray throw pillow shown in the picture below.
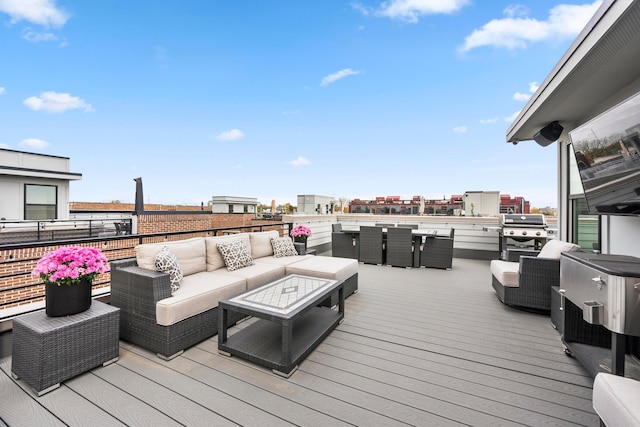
(167, 262)
(236, 254)
(283, 247)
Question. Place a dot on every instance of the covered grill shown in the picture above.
(523, 228)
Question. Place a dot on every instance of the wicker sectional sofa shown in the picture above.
(167, 323)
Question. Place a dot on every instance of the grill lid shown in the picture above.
(523, 220)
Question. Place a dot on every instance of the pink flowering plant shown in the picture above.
(69, 265)
(301, 231)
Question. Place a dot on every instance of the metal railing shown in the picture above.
(18, 259)
(29, 231)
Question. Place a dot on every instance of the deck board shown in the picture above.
(417, 347)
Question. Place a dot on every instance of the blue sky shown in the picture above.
(271, 99)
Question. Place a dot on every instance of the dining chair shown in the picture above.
(342, 245)
(400, 247)
(371, 245)
(411, 226)
(337, 227)
(438, 251)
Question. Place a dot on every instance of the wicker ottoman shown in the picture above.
(49, 350)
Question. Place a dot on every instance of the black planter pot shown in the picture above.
(301, 239)
(66, 300)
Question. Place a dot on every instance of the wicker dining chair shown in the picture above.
(400, 247)
(342, 245)
(438, 252)
(371, 245)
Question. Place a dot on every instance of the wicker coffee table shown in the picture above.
(289, 323)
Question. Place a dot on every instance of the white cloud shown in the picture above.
(533, 87)
(460, 129)
(229, 135)
(34, 143)
(300, 161)
(512, 117)
(55, 102)
(412, 10)
(491, 120)
(337, 76)
(517, 30)
(41, 12)
(37, 37)
(2, 90)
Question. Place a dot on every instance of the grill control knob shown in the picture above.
(538, 233)
(511, 232)
(524, 232)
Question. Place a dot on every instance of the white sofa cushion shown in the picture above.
(507, 273)
(258, 274)
(615, 400)
(553, 248)
(261, 243)
(282, 260)
(191, 254)
(325, 267)
(214, 258)
(198, 293)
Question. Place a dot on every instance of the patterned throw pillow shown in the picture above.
(283, 246)
(167, 262)
(235, 254)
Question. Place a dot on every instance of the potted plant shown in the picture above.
(68, 273)
(301, 233)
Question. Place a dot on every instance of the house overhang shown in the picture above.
(598, 71)
(39, 173)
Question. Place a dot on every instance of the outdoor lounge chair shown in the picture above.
(527, 281)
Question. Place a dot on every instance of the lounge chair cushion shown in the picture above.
(167, 262)
(283, 247)
(199, 292)
(191, 254)
(282, 260)
(553, 248)
(615, 400)
(236, 254)
(213, 255)
(506, 272)
(261, 243)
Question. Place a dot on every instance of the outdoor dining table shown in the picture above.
(417, 234)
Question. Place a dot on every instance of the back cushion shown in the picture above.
(261, 243)
(191, 254)
(214, 257)
(553, 248)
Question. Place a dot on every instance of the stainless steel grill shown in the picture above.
(522, 228)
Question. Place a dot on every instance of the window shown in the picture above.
(585, 228)
(40, 202)
(230, 208)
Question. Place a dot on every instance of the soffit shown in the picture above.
(598, 71)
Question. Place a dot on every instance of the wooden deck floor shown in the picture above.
(417, 347)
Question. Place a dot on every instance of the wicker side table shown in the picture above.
(49, 350)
